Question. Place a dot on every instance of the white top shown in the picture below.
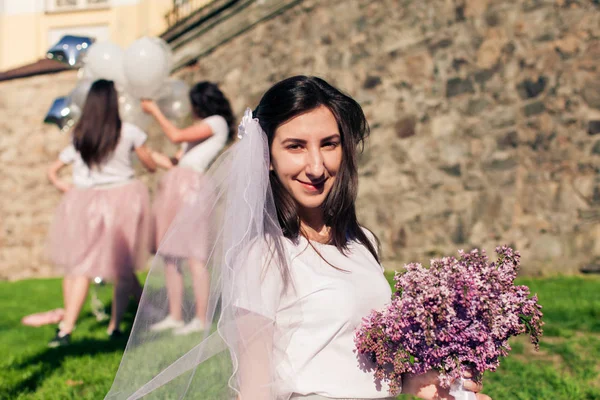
(116, 168)
(321, 355)
(198, 155)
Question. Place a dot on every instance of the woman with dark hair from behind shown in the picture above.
(101, 226)
(212, 130)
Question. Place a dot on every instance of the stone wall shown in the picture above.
(484, 115)
(27, 146)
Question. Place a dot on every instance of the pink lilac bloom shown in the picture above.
(455, 315)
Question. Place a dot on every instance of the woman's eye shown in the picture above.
(294, 147)
(331, 144)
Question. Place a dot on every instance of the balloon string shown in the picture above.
(98, 305)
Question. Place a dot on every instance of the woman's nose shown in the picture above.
(315, 164)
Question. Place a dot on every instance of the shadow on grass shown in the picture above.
(52, 359)
(33, 371)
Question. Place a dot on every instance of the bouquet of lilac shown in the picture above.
(454, 316)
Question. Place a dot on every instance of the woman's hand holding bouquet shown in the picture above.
(447, 322)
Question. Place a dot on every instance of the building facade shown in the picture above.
(28, 28)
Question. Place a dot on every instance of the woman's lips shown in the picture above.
(313, 186)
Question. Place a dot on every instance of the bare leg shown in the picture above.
(119, 303)
(124, 287)
(77, 293)
(201, 284)
(174, 282)
(136, 288)
(67, 285)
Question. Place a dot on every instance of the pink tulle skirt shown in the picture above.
(180, 211)
(102, 231)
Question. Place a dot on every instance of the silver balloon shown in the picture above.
(130, 110)
(63, 114)
(175, 104)
(70, 50)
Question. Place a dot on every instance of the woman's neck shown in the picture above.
(312, 225)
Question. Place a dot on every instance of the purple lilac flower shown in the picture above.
(457, 314)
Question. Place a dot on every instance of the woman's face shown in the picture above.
(306, 154)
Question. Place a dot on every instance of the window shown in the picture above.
(72, 5)
(66, 3)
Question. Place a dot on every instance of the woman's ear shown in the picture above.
(271, 167)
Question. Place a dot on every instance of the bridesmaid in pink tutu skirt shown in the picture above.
(182, 186)
(102, 224)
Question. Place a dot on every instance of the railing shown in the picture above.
(182, 9)
(75, 5)
(203, 28)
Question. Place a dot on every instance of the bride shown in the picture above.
(292, 271)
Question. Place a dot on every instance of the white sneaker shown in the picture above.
(166, 324)
(195, 325)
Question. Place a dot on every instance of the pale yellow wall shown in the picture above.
(24, 37)
(153, 14)
(18, 40)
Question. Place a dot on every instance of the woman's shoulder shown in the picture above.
(127, 128)
(218, 124)
(374, 242)
(371, 237)
(133, 133)
(265, 249)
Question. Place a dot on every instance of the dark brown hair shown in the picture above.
(98, 131)
(300, 94)
(207, 99)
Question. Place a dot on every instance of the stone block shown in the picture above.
(596, 148)
(452, 170)
(591, 93)
(406, 127)
(482, 76)
(371, 82)
(529, 89)
(508, 140)
(458, 86)
(594, 127)
(534, 108)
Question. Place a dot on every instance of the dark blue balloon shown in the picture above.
(70, 50)
(61, 114)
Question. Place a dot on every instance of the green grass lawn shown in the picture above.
(567, 366)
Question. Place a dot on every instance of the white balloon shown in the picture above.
(176, 105)
(146, 67)
(104, 60)
(84, 73)
(167, 49)
(130, 110)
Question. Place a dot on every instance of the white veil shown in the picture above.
(242, 354)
